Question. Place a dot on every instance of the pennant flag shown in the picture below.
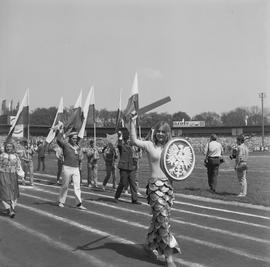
(119, 121)
(133, 101)
(58, 117)
(85, 112)
(22, 116)
(91, 120)
(112, 138)
(4, 107)
(76, 119)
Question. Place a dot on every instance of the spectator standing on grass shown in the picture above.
(241, 164)
(41, 148)
(127, 168)
(160, 194)
(10, 169)
(109, 155)
(28, 165)
(92, 156)
(213, 153)
(71, 171)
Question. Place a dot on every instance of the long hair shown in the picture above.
(164, 126)
(11, 142)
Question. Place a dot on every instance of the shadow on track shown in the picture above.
(127, 250)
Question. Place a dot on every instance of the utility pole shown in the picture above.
(262, 96)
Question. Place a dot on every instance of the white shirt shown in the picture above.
(213, 149)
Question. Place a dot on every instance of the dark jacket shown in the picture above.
(126, 161)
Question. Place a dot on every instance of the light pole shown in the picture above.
(262, 96)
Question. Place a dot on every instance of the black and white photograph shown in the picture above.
(134, 133)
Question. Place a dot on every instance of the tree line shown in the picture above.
(105, 118)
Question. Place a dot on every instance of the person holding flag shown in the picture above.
(159, 193)
(72, 155)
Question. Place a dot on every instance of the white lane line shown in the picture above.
(225, 232)
(204, 199)
(220, 201)
(125, 241)
(179, 210)
(228, 249)
(98, 232)
(223, 210)
(58, 245)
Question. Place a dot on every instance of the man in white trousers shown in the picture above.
(72, 155)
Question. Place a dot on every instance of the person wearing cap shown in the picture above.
(127, 167)
(213, 153)
(92, 156)
(27, 160)
(72, 155)
(241, 164)
(41, 149)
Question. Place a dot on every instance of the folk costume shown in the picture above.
(10, 168)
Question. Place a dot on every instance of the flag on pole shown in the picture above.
(85, 112)
(22, 116)
(119, 120)
(133, 101)
(58, 117)
(76, 118)
(91, 120)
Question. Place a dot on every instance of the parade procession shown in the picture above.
(134, 133)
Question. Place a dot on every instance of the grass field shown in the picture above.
(196, 184)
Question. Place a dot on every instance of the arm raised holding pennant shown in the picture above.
(128, 113)
(159, 190)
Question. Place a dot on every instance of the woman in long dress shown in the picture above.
(10, 168)
(159, 194)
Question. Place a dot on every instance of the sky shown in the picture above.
(207, 55)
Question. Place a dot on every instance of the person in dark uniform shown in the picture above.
(127, 167)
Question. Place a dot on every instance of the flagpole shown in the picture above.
(28, 123)
(94, 134)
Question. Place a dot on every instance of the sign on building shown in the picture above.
(188, 124)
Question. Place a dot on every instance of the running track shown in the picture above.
(210, 232)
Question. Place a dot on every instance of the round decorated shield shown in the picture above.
(177, 159)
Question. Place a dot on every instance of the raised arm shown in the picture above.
(133, 136)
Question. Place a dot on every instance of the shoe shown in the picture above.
(31, 184)
(136, 202)
(58, 182)
(241, 195)
(150, 253)
(126, 192)
(81, 207)
(139, 194)
(12, 214)
(61, 205)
